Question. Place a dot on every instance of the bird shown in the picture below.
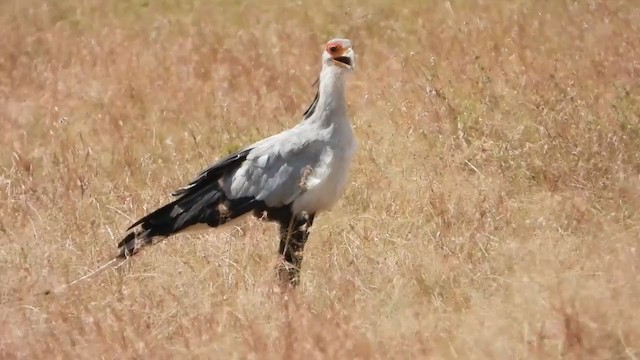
(287, 178)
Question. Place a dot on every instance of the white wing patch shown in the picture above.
(262, 161)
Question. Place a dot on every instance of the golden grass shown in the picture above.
(492, 212)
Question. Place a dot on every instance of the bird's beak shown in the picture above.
(346, 60)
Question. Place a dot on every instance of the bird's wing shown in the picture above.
(208, 178)
(275, 169)
(285, 150)
(213, 172)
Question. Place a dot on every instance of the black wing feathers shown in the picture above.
(201, 202)
(213, 173)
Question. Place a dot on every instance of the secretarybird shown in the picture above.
(287, 178)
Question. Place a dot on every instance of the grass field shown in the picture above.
(492, 211)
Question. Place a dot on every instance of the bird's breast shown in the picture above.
(325, 182)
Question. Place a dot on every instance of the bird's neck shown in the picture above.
(331, 104)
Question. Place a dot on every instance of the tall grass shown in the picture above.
(492, 211)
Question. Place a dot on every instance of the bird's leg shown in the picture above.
(294, 232)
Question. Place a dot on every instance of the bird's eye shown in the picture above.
(333, 48)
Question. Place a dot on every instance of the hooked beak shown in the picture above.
(346, 60)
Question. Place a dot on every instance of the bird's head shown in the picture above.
(339, 53)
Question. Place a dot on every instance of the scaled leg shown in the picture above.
(294, 232)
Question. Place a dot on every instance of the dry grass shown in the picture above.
(492, 211)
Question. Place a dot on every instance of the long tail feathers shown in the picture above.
(206, 206)
(115, 263)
